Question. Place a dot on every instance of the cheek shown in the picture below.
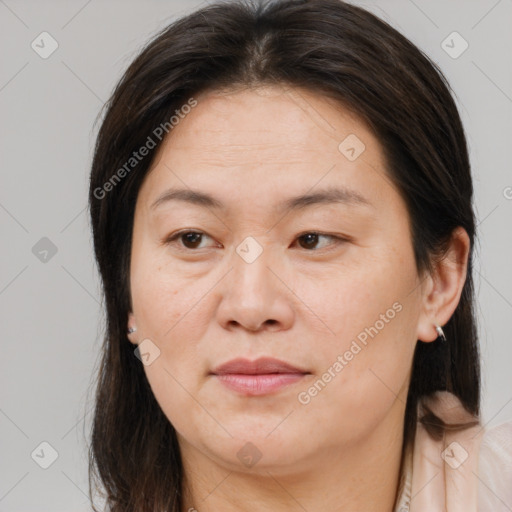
(161, 298)
(173, 311)
(369, 318)
(347, 298)
(173, 389)
(365, 368)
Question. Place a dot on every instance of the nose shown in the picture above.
(255, 295)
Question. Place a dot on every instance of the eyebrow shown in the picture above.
(330, 195)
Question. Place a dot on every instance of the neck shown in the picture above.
(360, 477)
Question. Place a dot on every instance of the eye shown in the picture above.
(310, 239)
(192, 239)
(189, 239)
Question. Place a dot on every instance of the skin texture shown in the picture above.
(302, 301)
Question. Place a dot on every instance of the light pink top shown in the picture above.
(466, 471)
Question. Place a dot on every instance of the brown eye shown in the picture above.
(188, 239)
(191, 240)
(310, 240)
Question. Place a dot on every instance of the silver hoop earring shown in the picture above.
(131, 329)
(440, 332)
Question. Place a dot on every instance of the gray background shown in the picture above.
(50, 310)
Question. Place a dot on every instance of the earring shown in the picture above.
(440, 332)
(131, 329)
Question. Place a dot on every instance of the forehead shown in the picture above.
(264, 144)
(262, 119)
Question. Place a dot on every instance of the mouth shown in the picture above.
(262, 376)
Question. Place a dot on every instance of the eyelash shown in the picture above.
(173, 239)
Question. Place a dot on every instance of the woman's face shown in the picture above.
(344, 307)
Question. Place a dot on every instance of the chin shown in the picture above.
(255, 451)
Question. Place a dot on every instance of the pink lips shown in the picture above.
(259, 377)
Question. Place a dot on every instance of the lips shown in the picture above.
(261, 366)
(263, 376)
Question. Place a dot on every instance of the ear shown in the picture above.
(441, 291)
(132, 337)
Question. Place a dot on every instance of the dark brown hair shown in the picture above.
(331, 48)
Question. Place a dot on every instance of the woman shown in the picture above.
(281, 204)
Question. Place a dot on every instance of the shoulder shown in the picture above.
(495, 469)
